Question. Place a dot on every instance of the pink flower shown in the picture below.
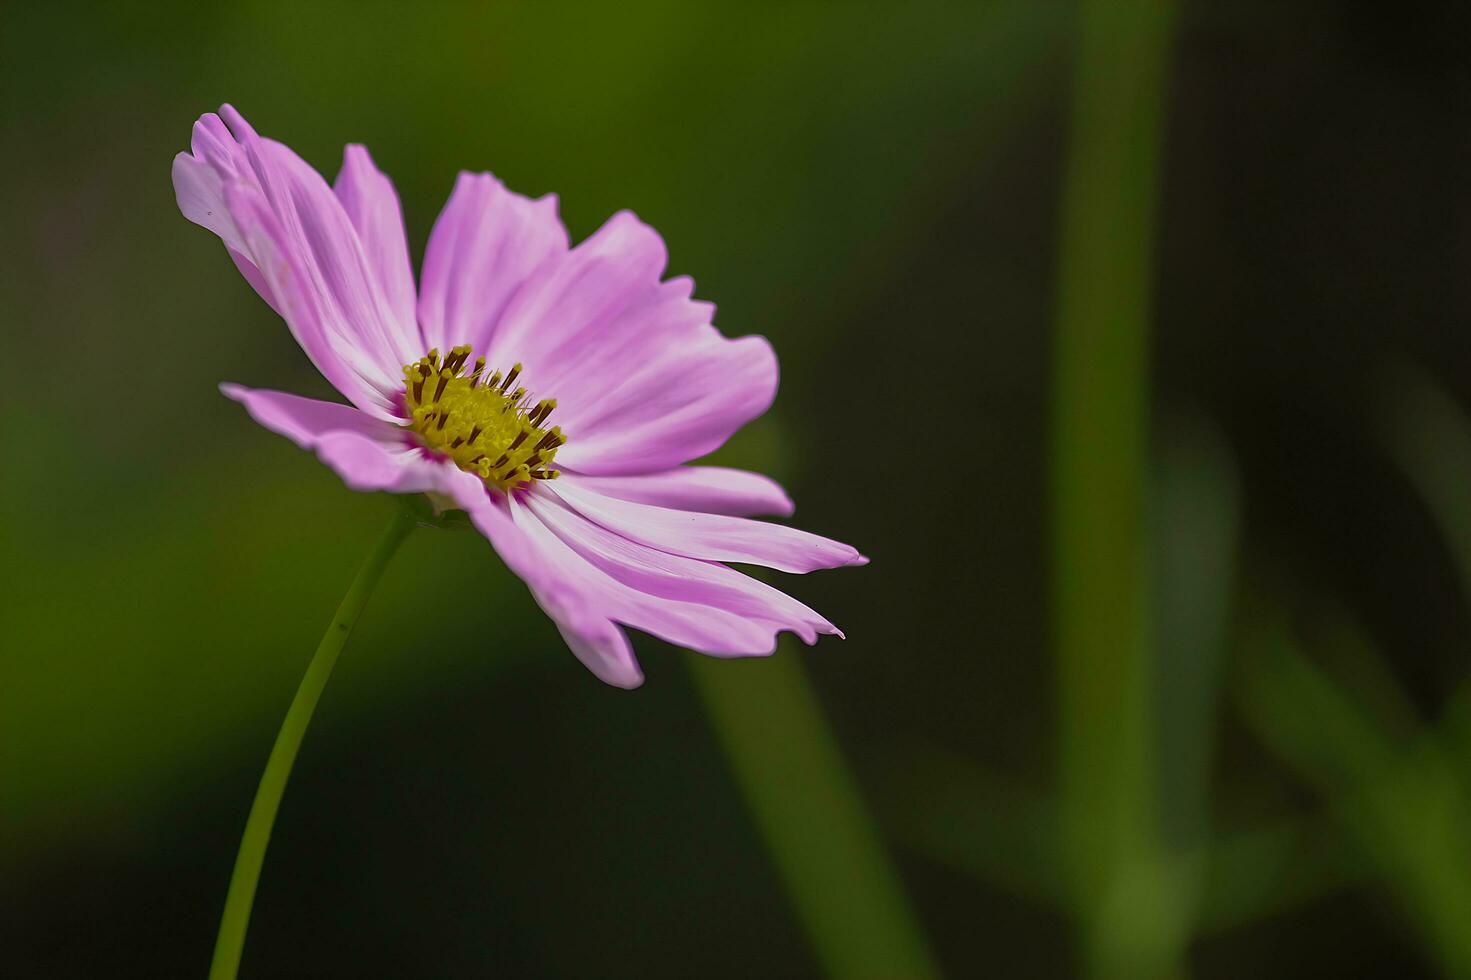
(454, 386)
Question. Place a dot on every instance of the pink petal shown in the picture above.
(708, 489)
(294, 242)
(606, 652)
(200, 176)
(587, 603)
(582, 293)
(368, 197)
(199, 186)
(324, 245)
(643, 380)
(303, 420)
(257, 281)
(672, 406)
(590, 634)
(485, 245)
(367, 453)
(351, 371)
(677, 578)
(711, 537)
(706, 628)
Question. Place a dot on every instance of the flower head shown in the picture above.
(553, 393)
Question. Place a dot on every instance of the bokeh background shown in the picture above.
(1128, 340)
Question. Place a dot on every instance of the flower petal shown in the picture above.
(368, 197)
(708, 629)
(586, 601)
(673, 406)
(293, 240)
(485, 245)
(674, 577)
(199, 186)
(606, 652)
(708, 489)
(712, 537)
(324, 245)
(589, 633)
(350, 370)
(643, 380)
(304, 420)
(367, 453)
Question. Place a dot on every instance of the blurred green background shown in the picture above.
(1160, 668)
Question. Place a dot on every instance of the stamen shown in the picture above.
(510, 378)
(472, 418)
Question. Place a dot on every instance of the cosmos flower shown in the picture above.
(555, 394)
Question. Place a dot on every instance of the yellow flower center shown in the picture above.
(488, 426)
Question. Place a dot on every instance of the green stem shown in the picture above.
(231, 939)
(1099, 455)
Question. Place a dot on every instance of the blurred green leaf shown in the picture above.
(812, 816)
(1253, 875)
(1428, 435)
(1403, 799)
(954, 812)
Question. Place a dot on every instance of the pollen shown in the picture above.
(488, 425)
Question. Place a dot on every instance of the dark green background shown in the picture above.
(875, 187)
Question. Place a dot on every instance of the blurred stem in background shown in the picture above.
(230, 942)
(1100, 442)
(807, 807)
(1194, 530)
